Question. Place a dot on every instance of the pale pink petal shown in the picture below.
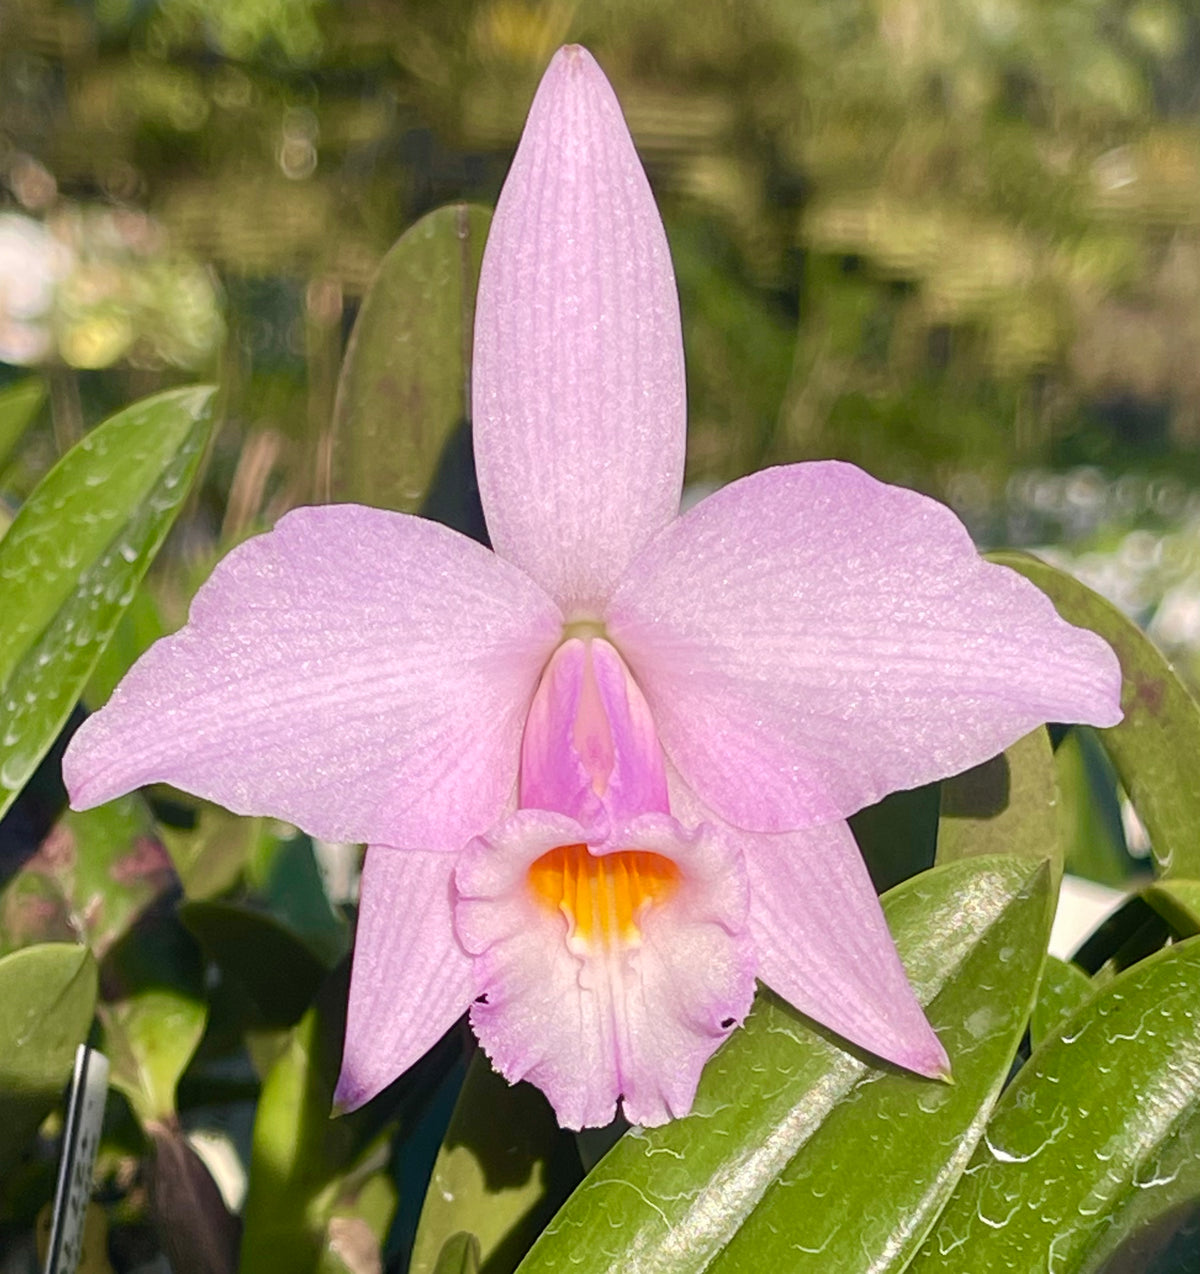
(591, 1022)
(810, 639)
(824, 946)
(410, 981)
(589, 748)
(579, 413)
(360, 673)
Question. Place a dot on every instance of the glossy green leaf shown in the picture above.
(1008, 805)
(1097, 1136)
(504, 1169)
(405, 382)
(1155, 746)
(1064, 989)
(47, 998)
(95, 873)
(784, 1113)
(19, 404)
(459, 1255)
(1178, 902)
(153, 1013)
(72, 560)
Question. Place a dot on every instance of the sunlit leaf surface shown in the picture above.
(1098, 1135)
(72, 559)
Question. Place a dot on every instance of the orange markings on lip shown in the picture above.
(602, 897)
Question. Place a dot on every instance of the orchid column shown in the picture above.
(604, 770)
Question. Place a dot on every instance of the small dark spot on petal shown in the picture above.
(727, 1023)
(481, 999)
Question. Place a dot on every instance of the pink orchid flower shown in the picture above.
(603, 770)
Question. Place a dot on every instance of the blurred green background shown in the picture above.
(957, 243)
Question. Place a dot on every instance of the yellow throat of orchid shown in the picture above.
(603, 898)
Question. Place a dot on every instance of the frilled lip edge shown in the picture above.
(596, 1018)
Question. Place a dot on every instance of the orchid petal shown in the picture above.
(824, 946)
(591, 1022)
(810, 639)
(410, 981)
(579, 414)
(362, 674)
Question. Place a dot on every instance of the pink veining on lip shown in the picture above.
(603, 770)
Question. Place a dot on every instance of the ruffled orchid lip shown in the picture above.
(606, 973)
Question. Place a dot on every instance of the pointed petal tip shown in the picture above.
(926, 1057)
(351, 1093)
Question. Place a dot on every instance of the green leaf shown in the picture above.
(898, 835)
(71, 562)
(1093, 837)
(211, 856)
(1155, 746)
(1064, 989)
(19, 404)
(47, 998)
(1098, 1135)
(405, 382)
(153, 1014)
(95, 873)
(1008, 805)
(1178, 902)
(299, 1152)
(459, 1255)
(139, 628)
(284, 872)
(258, 954)
(800, 1155)
(504, 1169)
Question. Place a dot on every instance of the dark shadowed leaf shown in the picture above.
(1093, 837)
(71, 562)
(1178, 902)
(257, 953)
(1155, 746)
(404, 386)
(194, 1226)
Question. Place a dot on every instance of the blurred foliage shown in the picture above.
(943, 241)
